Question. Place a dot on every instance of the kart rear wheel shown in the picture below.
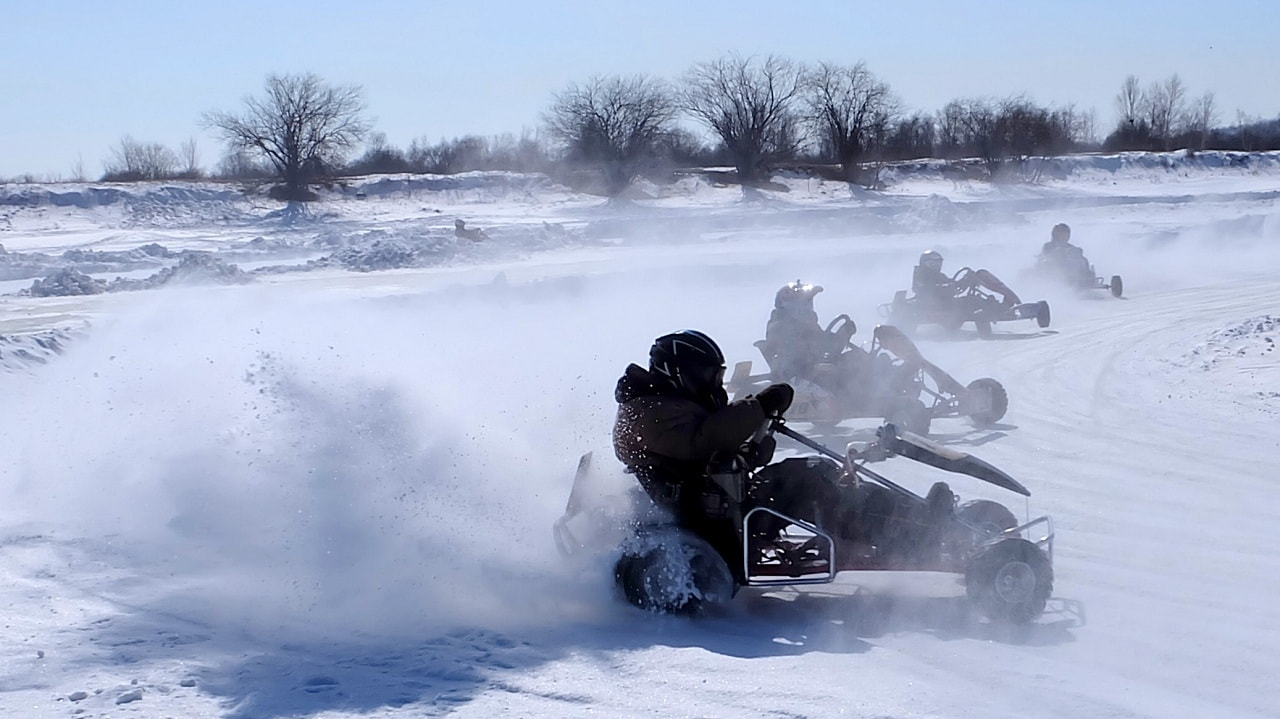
(680, 574)
(991, 517)
(1010, 581)
(1117, 286)
(985, 401)
(984, 328)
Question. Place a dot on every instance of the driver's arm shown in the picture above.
(687, 432)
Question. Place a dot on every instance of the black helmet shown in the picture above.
(691, 362)
(1061, 232)
(796, 296)
(932, 260)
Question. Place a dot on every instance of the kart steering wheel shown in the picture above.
(844, 328)
(963, 280)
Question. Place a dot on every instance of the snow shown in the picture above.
(328, 492)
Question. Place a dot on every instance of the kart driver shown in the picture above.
(674, 420)
(930, 284)
(1058, 252)
(928, 281)
(796, 341)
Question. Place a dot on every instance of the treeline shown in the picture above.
(757, 114)
(1163, 116)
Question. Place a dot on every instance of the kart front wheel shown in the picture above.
(985, 401)
(912, 416)
(1042, 315)
(1010, 581)
(678, 574)
(1117, 286)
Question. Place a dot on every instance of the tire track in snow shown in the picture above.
(1153, 495)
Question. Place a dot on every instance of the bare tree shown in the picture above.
(1133, 130)
(1130, 101)
(1164, 102)
(912, 137)
(614, 124)
(133, 161)
(237, 164)
(379, 158)
(77, 169)
(190, 159)
(1201, 116)
(1243, 125)
(749, 105)
(967, 126)
(850, 110)
(1005, 134)
(301, 125)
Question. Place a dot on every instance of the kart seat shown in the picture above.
(769, 352)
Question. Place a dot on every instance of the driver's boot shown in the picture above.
(940, 502)
(940, 507)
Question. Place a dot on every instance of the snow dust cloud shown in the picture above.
(302, 462)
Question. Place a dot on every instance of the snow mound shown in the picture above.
(192, 268)
(21, 352)
(24, 265)
(936, 212)
(141, 204)
(1253, 338)
(489, 183)
(66, 282)
(1154, 166)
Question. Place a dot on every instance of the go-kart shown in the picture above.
(1006, 568)
(890, 380)
(1079, 275)
(974, 303)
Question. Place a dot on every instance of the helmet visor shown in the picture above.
(705, 378)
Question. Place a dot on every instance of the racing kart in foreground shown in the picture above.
(1006, 568)
(975, 303)
(889, 380)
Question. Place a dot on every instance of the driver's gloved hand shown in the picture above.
(758, 454)
(776, 399)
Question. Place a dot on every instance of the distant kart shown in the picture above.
(1081, 277)
(891, 380)
(974, 304)
(1006, 567)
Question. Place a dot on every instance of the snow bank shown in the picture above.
(1253, 338)
(1179, 165)
(21, 352)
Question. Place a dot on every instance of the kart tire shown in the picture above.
(1117, 286)
(984, 413)
(1010, 581)
(912, 416)
(991, 517)
(984, 328)
(1042, 315)
(681, 574)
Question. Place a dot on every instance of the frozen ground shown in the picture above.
(327, 492)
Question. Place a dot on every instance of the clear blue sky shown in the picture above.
(79, 75)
